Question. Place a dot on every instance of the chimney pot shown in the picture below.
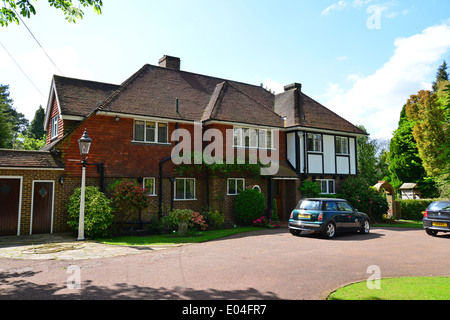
(293, 86)
(170, 62)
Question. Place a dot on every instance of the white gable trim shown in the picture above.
(52, 94)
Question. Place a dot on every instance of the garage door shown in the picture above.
(9, 206)
(42, 207)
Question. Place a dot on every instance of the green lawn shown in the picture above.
(166, 239)
(400, 224)
(421, 288)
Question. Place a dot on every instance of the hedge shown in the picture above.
(412, 209)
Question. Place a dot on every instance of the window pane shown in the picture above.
(323, 184)
(150, 131)
(179, 189)
(231, 186)
(240, 185)
(338, 145)
(262, 138)
(162, 132)
(139, 130)
(245, 137)
(190, 189)
(269, 139)
(253, 138)
(344, 148)
(149, 184)
(331, 186)
(237, 136)
(317, 143)
(344, 206)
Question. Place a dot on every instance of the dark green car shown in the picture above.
(327, 216)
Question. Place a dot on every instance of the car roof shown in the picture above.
(324, 199)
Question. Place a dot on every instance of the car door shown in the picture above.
(348, 215)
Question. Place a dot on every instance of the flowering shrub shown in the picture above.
(128, 196)
(194, 219)
(263, 222)
(249, 205)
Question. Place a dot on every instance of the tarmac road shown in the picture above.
(267, 264)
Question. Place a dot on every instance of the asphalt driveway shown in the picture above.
(267, 264)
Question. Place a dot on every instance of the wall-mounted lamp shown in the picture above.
(117, 118)
(61, 179)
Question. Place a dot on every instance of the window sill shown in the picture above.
(253, 148)
(185, 199)
(164, 144)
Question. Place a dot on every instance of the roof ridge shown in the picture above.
(102, 104)
(216, 96)
(258, 102)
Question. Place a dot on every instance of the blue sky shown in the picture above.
(360, 58)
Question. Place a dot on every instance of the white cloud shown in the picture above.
(274, 86)
(336, 6)
(375, 101)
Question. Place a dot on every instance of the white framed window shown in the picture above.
(252, 138)
(184, 189)
(55, 127)
(149, 184)
(327, 185)
(151, 131)
(235, 186)
(314, 142)
(342, 145)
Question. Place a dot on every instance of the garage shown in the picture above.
(10, 205)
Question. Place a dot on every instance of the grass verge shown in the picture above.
(400, 224)
(167, 239)
(417, 288)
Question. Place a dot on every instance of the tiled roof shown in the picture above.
(80, 97)
(29, 159)
(301, 110)
(153, 91)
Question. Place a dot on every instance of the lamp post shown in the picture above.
(85, 145)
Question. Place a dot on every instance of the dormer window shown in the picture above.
(54, 128)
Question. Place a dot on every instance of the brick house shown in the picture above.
(135, 127)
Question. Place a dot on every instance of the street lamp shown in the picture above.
(85, 145)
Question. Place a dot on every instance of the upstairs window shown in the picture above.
(253, 138)
(342, 145)
(151, 131)
(314, 142)
(54, 129)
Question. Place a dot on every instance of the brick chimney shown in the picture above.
(170, 63)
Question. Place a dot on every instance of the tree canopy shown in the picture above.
(11, 9)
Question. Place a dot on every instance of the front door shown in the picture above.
(42, 207)
(9, 206)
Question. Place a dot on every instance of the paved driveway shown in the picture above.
(268, 264)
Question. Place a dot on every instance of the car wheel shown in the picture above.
(432, 233)
(365, 227)
(330, 230)
(295, 232)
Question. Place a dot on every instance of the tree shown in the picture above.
(425, 110)
(36, 128)
(441, 75)
(405, 164)
(6, 130)
(8, 13)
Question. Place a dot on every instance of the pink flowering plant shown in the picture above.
(263, 222)
(128, 197)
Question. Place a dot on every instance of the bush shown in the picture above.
(214, 219)
(98, 212)
(128, 197)
(194, 220)
(249, 206)
(310, 189)
(364, 197)
(412, 209)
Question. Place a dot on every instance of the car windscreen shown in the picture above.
(436, 206)
(308, 205)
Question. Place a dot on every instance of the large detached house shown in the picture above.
(134, 127)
